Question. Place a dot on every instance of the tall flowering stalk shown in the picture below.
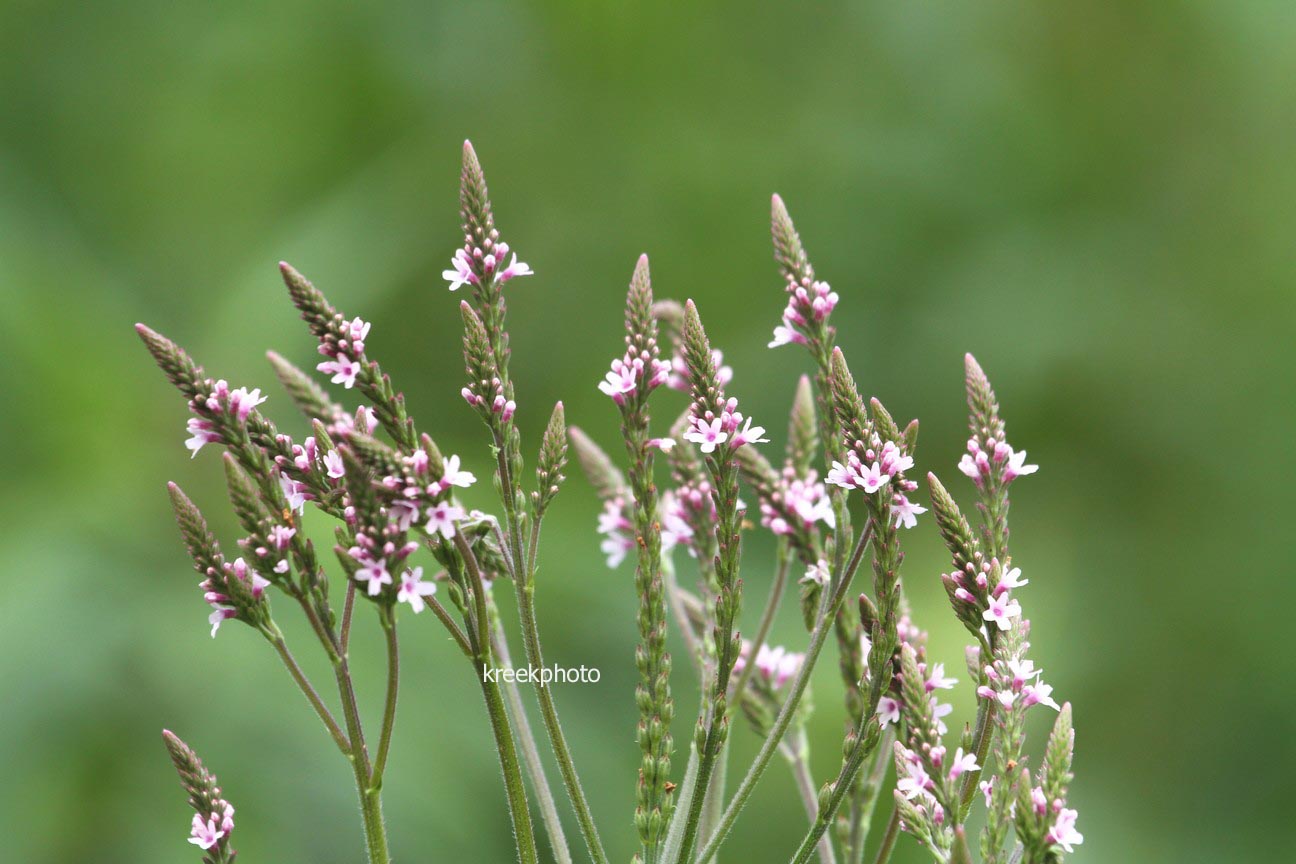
(405, 543)
(632, 378)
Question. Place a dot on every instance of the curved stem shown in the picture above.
(348, 607)
(389, 705)
(889, 838)
(275, 637)
(766, 620)
(370, 799)
(796, 756)
(524, 586)
(827, 612)
(451, 625)
(530, 752)
(513, 785)
(984, 732)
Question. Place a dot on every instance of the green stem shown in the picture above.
(867, 797)
(889, 838)
(389, 705)
(796, 756)
(530, 752)
(451, 625)
(984, 732)
(370, 799)
(524, 585)
(513, 785)
(348, 607)
(827, 611)
(766, 620)
(275, 637)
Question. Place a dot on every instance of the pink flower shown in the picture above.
(817, 573)
(906, 512)
(295, 492)
(344, 370)
(615, 546)
(376, 574)
(786, 334)
(888, 710)
(333, 464)
(663, 444)
(1063, 832)
(413, 589)
(241, 402)
(750, 434)
(937, 680)
(515, 268)
(873, 479)
(962, 763)
(915, 782)
(462, 273)
(455, 477)
(1039, 693)
(987, 789)
(623, 378)
(442, 518)
(1016, 467)
(1002, 610)
(1011, 579)
(706, 435)
(203, 433)
(218, 615)
(280, 535)
(969, 467)
(205, 835)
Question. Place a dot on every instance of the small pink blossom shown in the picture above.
(962, 763)
(453, 476)
(706, 435)
(1017, 466)
(515, 268)
(374, 573)
(333, 464)
(202, 432)
(218, 616)
(905, 512)
(442, 518)
(343, 369)
(817, 573)
(623, 378)
(888, 710)
(413, 589)
(1002, 610)
(750, 434)
(936, 680)
(786, 334)
(241, 402)
(1063, 833)
(615, 547)
(462, 272)
(205, 835)
(1011, 579)
(295, 492)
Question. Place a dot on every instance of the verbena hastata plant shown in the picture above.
(404, 544)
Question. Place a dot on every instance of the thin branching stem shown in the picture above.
(276, 638)
(389, 703)
(827, 611)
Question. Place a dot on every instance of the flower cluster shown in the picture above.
(218, 825)
(471, 266)
(1014, 681)
(808, 301)
(996, 458)
(229, 599)
(802, 498)
(222, 402)
(710, 431)
(627, 372)
(213, 820)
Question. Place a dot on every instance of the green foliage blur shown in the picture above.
(1094, 198)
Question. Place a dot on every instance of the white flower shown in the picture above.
(462, 273)
(413, 589)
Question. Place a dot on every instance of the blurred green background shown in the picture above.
(1095, 198)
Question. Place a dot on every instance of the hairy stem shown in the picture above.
(276, 639)
(530, 752)
(796, 756)
(766, 620)
(827, 611)
(888, 839)
(389, 704)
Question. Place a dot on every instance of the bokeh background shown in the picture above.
(1095, 198)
